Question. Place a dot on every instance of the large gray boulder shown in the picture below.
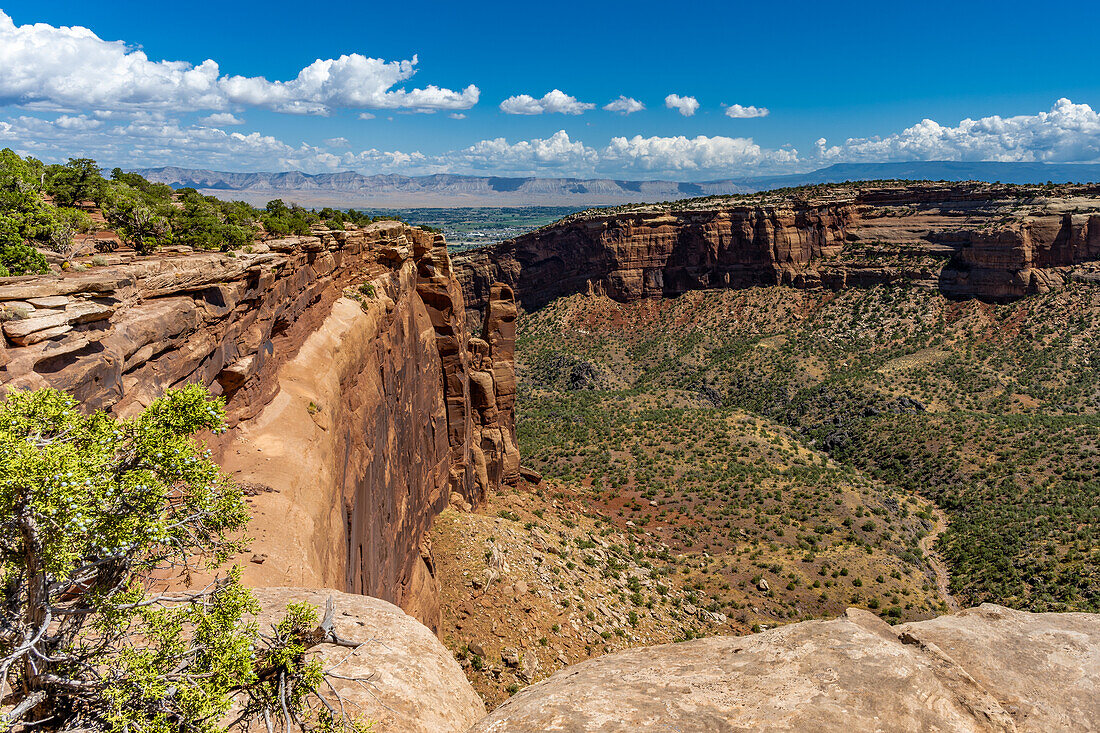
(413, 684)
(984, 669)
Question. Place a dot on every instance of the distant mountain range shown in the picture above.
(350, 189)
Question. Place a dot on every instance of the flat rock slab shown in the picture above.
(29, 330)
(54, 301)
(985, 669)
(48, 287)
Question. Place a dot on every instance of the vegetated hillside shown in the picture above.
(550, 575)
(615, 403)
(535, 580)
(673, 411)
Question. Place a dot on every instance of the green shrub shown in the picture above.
(95, 508)
(16, 256)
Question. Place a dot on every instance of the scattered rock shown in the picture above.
(510, 656)
(529, 667)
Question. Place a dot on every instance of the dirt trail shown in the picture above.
(939, 568)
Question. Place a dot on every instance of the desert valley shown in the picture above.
(514, 368)
(639, 426)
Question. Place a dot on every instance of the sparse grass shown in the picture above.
(840, 414)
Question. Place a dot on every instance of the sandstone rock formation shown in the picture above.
(968, 240)
(984, 669)
(359, 401)
(412, 684)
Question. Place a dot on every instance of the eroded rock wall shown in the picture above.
(359, 403)
(968, 240)
(637, 255)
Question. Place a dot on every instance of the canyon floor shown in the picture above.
(729, 461)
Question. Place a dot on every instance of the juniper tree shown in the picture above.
(95, 514)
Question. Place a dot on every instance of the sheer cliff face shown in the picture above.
(359, 402)
(632, 256)
(980, 241)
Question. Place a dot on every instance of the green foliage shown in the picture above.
(24, 212)
(76, 181)
(20, 186)
(17, 257)
(281, 220)
(97, 508)
(140, 217)
(66, 224)
(205, 222)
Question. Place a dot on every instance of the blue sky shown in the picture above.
(133, 84)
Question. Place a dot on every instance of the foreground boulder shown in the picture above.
(984, 669)
(411, 684)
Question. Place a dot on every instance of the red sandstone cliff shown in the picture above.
(359, 402)
(968, 240)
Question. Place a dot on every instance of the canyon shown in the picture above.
(360, 403)
(370, 380)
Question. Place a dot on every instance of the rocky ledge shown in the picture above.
(399, 676)
(984, 669)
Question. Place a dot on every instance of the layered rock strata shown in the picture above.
(984, 669)
(968, 240)
(359, 402)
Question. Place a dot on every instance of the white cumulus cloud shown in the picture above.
(71, 68)
(684, 105)
(624, 105)
(738, 112)
(1067, 133)
(221, 119)
(148, 141)
(557, 153)
(718, 156)
(555, 101)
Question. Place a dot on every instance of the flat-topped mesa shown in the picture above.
(360, 404)
(968, 240)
